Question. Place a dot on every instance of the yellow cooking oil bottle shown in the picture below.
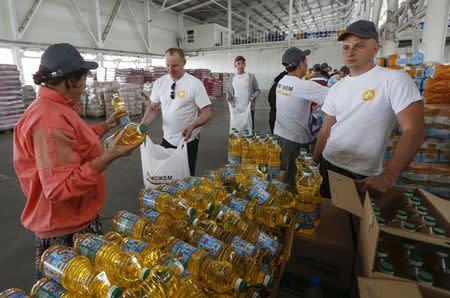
(300, 159)
(47, 287)
(121, 267)
(238, 243)
(260, 154)
(133, 134)
(76, 273)
(269, 215)
(122, 116)
(317, 201)
(233, 223)
(234, 147)
(176, 207)
(216, 275)
(130, 224)
(245, 267)
(274, 161)
(177, 228)
(213, 188)
(247, 150)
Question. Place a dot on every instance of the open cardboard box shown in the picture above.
(345, 196)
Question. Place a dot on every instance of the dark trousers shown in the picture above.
(41, 244)
(192, 149)
(272, 117)
(326, 193)
(253, 119)
(289, 152)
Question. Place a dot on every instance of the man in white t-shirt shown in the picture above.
(361, 110)
(180, 96)
(243, 88)
(293, 97)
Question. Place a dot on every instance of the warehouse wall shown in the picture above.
(56, 21)
(266, 63)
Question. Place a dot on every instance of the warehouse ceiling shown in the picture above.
(264, 15)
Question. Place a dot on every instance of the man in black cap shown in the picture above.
(317, 75)
(362, 109)
(293, 98)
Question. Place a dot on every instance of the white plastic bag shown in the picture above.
(161, 165)
(240, 119)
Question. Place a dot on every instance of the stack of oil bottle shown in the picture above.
(264, 153)
(405, 258)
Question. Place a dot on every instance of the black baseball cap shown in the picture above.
(361, 28)
(64, 58)
(345, 69)
(317, 67)
(238, 58)
(293, 55)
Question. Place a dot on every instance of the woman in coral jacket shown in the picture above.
(58, 158)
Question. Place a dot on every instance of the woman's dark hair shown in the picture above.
(44, 75)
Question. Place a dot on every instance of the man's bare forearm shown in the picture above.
(203, 118)
(320, 145)
(149, 115)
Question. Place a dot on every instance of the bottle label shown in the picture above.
(228, 175)
(266, 242)
(134, 245)
(238, 205)
(258, 193)
(241, 246)
(169, 189)
(149, 198)
(126, 223)
(262, 168)
(90, 245)
(305, 219)
(234, 160)
(19, 295)
(211, 245)
(123, 121)
(50, 289)
(108, 141)
(54, 263)
(196, 180)
(151, 215)
(182, 251)
(273, 172)
(183, 185)
(279, 185)
(263, 184)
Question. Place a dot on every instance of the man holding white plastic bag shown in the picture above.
(179, 95)
(242, 91)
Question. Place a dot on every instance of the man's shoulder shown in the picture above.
(190, 78)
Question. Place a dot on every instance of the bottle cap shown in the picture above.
(422, 210)
(303, 151)
(210, 207)
(425, 277)
(376, 210)
(268, 281)
(306, 171)
(430, 220)
(387, 267)
(382, 251)
(145, 272)
(191, 233)
(381, 220)
(415, 260)
(409, 192)
(416, 201)
(308, 155)
(194, 222)
(438, 231)
(256, 295)
(286, 219)
(315, 280)
(410, 226)
(442, 252)
(313, 164)
(114, 292)
(191, 212)
(241, 286)
(142, 128)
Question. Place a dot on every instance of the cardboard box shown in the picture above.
(345, 196)
(378, 288)
(328, 253)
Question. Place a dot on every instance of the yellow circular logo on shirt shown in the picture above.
(247, 81)
(181, 94)
(369, 95)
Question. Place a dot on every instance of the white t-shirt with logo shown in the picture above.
(293, 99)
(241, 90)
(178, 113)
(365, 107)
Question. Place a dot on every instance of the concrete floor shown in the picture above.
(123, 182)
